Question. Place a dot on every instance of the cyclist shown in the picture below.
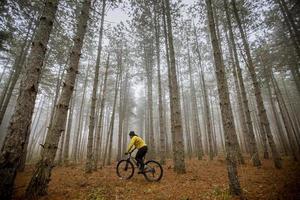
(138, 143)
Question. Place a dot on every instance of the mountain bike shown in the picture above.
(152, 172)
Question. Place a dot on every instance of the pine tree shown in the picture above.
(226, 111)
(178, 144)
(18, 130)
(39, 182)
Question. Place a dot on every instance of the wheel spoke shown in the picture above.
(153, 171)
(125, 169)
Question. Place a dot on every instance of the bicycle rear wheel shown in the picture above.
(153, 171)
(125, 169)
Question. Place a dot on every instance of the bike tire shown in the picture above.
(121, 167)
(155, 168)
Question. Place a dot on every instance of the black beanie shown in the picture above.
(131, 133)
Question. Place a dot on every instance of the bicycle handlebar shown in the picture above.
(130, 152)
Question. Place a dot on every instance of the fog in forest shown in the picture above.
(210, 88)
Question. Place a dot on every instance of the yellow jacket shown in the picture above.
(137, 142)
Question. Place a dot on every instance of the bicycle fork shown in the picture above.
(127, 163)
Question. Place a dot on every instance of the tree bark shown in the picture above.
(176, 123)
(148, 56)
(18, 66)
(162, 132)
(41, 177)
(196, 124)
(109, 139)
(278, 122)
(168, 150)
(17, 134)
(291, 133)
(259, 100)
(241, 110)
(226, 111)
(122, 104)
(69, 127)
(90, 158)
(80, 120)
(249, 133)
(186, 118)
(100, 122)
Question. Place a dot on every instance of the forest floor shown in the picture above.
(203, 180)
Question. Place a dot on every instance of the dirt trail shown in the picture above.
(203, 180)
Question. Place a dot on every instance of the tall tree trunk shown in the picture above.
(60, 148)
(186, 118)
(109, 139)
(60, 76)
(126, 113)
(241, 111)
(89, 158)
(291, 133)
(5, 67)
(196, 124)
(278, 122)
(99, 131)
(249, 133)
(279, 128)
(162, 135)
(39, 182)
(111, 129)
(121, 105)
(126, 122)
(80, 120)
(213, 128)
(206, 103)
(292, 27)
(178, 143)
(226, 111)
(148, 56)
(259, 100)
(35, 123)
(18, 66)
(293, 116)
(69, 127)
(168, 150)
(17, 134)
(4, 92)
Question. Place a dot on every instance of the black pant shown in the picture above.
(140, 155)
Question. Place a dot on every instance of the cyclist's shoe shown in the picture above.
(141, 171)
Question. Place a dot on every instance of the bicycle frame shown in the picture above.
(130, 158)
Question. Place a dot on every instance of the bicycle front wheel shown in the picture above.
(153, 171)
(125, 169)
